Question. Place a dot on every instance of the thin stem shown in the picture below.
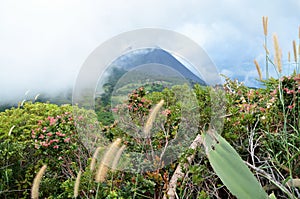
(267, 64)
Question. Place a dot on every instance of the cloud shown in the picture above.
(44, 43)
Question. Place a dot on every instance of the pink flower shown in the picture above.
(41, 136)
(140, 104)
(262, 109)
(52, 120)
(114, 110)
(290, 106)
(274, 92)
(166, 112)
(55, 147)
(54, 140)
(49, 134)
(45, 144)
(67, 139)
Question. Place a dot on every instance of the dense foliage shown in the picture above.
(261, 124)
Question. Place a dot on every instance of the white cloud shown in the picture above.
(44, 42)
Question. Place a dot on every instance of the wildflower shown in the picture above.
(67, 139)
(41, 136)
(55, 147)
(49, 134)
(290, 106)
(51, 120)
(166, 112)
(274, 92)
(114, 110)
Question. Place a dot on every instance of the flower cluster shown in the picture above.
(137, 103)
(54, 132)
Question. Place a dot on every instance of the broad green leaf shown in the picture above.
(231, 169)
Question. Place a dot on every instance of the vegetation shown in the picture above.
(159, 143)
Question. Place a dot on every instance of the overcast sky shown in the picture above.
(43, 43)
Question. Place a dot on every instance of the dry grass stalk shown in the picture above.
(10, 130)
(267, 51)
(289, 56)
(108, 157)
(94, 158)
(151, 118)
(258, 69)
(36, 183)
(295, 51)
(101, 173)
(265, 25)
(277, 53)
(76, 186)
(117, 158)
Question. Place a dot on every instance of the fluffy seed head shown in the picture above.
(265, 25)
(258, 69)
(295, 51)
(151, 118)
(76, 186)
(277, 53)
(36, 183)
(94, 158)
(106, 161)
(117, 158)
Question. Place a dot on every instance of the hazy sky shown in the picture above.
(43, 43)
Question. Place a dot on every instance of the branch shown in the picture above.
(171, 193)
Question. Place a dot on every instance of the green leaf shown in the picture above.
(272, 196)
(230, 168)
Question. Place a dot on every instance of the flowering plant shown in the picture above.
(56, 133)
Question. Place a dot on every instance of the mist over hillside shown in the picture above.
(149, 63)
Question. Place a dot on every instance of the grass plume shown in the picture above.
(265, 25)
(277, 53)
(107, 158)
(94, 158)
(76, 186)
(10, 130)
(117, 158)
(295, 51)
(151, 118)
(36, 182)
(258, 69)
